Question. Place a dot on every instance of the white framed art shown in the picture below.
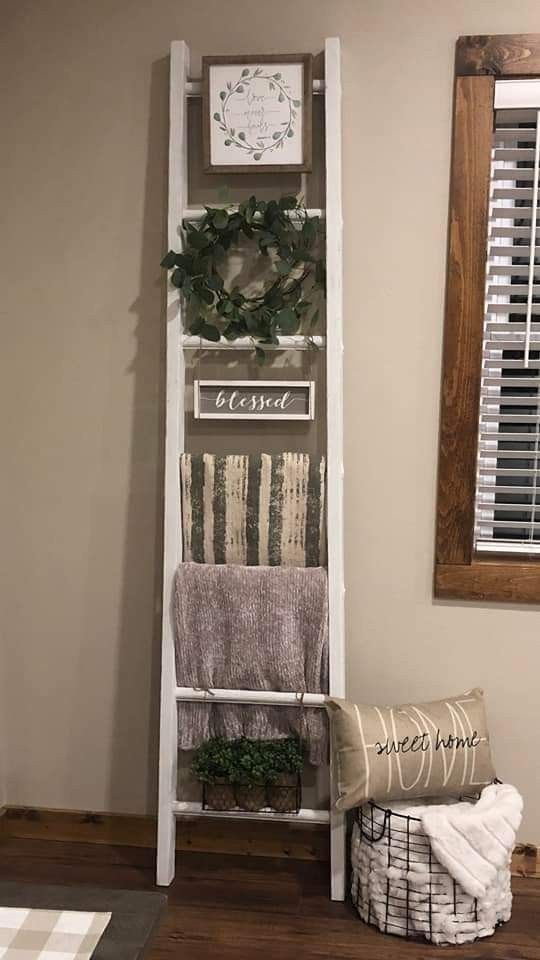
(257, 113)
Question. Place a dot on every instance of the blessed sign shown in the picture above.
(254, 399)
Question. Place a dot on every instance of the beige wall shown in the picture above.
(82, 377)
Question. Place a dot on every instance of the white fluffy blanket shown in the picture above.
(410, 884)
(474, 840)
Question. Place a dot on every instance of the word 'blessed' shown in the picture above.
(256, 402)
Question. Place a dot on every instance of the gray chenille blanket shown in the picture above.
(252, 628)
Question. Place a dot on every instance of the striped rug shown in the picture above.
(261, 509)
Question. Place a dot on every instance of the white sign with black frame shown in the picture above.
(254, 399)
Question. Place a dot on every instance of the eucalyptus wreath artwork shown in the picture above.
(277, 84)
(287, 237)
(257, 113)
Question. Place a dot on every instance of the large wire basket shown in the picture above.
(399, 886)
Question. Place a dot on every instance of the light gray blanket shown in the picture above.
(252, 628)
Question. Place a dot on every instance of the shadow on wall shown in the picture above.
(134, 748)
(138, 666)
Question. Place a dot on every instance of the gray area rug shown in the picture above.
(135, 913)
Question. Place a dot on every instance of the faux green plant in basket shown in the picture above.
(268, 774)
(251, 774)
(214, 766)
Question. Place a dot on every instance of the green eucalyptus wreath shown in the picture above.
(285, 305)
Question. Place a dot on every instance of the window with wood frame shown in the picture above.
(488, 515)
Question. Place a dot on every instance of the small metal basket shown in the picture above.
(277, 797)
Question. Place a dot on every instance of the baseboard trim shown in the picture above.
(302, 841)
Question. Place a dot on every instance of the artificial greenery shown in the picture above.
(286, 305)
(247, 762)
(214, 761)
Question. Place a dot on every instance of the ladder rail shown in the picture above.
(174, 441)
(293, 342)
(194, 88)
(192, 214)
(271, 697)
(187, 808)
(334, 421)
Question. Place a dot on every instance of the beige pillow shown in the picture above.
(418, 750)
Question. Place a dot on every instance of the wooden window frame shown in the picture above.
(459, 573)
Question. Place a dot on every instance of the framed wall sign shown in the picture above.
(257, 113)
(254, 399)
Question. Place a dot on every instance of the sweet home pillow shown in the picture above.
(416, 750)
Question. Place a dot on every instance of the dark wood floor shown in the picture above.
(234, 908)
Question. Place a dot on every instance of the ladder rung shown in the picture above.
(194, 87)
(184, 808)
(197, 213)
(246, 343)
(272, 697)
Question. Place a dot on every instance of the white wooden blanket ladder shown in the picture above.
(182, 87)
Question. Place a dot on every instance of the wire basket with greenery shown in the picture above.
(250, 774)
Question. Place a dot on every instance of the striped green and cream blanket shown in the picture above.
(256, 510)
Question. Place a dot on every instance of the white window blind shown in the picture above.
(507, 502)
